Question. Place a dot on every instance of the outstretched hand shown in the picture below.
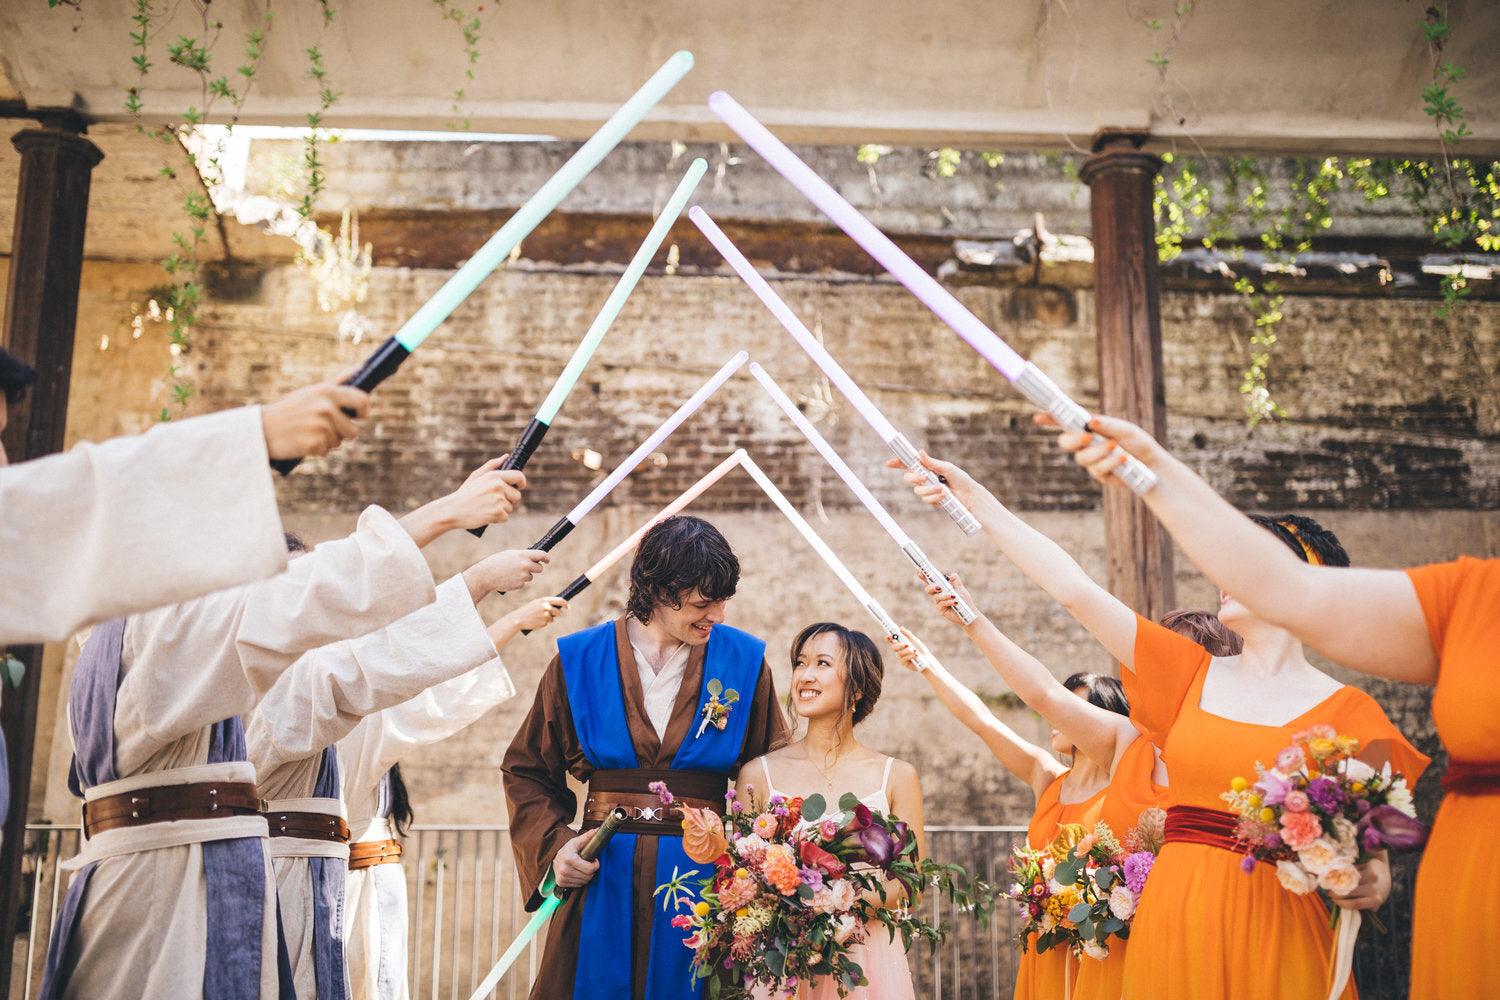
(312, 420)
(504, 571)
(953, 480)
(1112, 442)
(488, 496)
(947, 603)
(527, 618)
(909, 650)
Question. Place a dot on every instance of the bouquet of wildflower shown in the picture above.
(1090, 894)
(1317, 815)
(792, 889)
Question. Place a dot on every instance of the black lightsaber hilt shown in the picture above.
(520, 454)
(377, 368)
(554, 534)
(569, 592)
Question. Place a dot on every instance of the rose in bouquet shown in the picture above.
(793, 889)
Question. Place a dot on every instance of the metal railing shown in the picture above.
(465, 901)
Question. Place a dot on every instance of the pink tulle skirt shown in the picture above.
(884, 964)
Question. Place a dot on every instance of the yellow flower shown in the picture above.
(1347, 744)
(742, 911)
(701, 908)
(741, 873)
(1268, 815)
(1321, 747)
(1357, 788)
(1255, 801)
(1239, 785)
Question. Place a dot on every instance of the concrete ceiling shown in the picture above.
(1315, 76)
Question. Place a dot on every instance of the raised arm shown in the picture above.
(1027, 761)
(487, 497)
(1109, 620)
(1100, 735)
(1366, 619)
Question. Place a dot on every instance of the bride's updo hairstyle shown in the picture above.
(864, 670)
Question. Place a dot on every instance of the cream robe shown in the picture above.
(326, 695)
(184, 668)
(107, 530)
(365, 755)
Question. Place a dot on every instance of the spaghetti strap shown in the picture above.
(885, 779)
(765, 768)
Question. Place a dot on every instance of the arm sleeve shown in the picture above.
(107, 530)
(328, 691)
(1438, 586)
(767, 727)
(535, 773)
(1380, 740)
(1166, 664)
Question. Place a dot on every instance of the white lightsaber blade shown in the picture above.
(904, 450)
(1032, 382)
(903, 541)
(560, 530)
(887, 623)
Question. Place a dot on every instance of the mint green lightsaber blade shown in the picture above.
(590, 851)
(539, 205)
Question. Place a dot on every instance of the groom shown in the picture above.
(622, 705)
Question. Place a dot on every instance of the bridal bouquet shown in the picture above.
(794, 888)
(1084, 887)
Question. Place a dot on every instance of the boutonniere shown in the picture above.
(716, 709)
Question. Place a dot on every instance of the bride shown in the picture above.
(836, 678)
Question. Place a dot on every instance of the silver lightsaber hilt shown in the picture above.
(906, 453)
(933, 575)
(1048, 395)
(892, 629)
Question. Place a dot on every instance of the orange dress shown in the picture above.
(1457, 914)
(1205, 929)
(1131, 792)
(1055, 974)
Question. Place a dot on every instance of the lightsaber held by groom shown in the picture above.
(389, 355)
(1032, 382)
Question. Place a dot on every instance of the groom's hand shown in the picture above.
(570, 868)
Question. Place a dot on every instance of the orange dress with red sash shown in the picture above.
(1456, 924)
(1206, 929)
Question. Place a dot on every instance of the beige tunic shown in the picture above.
(365, 755)
(184, 668)
(327, 694)
(107, 530)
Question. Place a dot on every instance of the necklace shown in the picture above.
(825, 772)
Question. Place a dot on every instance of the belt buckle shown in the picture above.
(648, 814)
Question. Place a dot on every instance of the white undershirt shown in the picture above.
(659, 686)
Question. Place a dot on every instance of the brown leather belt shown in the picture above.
(308, 826)
(369, 853)
(164, 803)
(627, 788)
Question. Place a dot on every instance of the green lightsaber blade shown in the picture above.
(590, 851)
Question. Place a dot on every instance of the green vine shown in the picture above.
(469, 27)
(312, 164)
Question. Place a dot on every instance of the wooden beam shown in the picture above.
(1127, 311)
(41, 306)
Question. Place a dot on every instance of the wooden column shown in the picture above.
(41, 305)
(1127, 314)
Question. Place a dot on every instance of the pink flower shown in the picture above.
(1295, 801)
(682, 921)
(765, 826)
(1299, 829)
(1294, 878)
(1272, 787)
(662, 792)
(1291, 759)
(1340, 880)
(1085, 844)
(844, 895)
(828, 829)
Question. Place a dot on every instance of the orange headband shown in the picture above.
(1312, 556)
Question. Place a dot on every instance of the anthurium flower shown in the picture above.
(1396, 828)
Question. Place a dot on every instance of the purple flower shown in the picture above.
(812, 877)
(1326, 794)
(736, 807)
(1274, 841)
(1137, 867)
(729, 795)
(1394, 827)
(1247, 864)
(1272, 788)
(1371, 838)
(1361, 806)
(662, 792)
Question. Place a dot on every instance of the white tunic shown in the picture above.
(184, 668)
(107, 530)
(377, 963)
(328, 693)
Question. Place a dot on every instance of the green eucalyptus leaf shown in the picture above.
(715, 687)
(813, 808)
(847, 801)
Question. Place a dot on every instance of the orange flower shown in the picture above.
(781, 869)
(703, 835)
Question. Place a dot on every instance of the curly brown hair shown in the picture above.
(678, 556)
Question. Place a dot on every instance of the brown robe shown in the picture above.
(546, 750)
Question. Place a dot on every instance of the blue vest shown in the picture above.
(596, 700)
(234, 870)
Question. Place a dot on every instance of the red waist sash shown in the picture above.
(1195, 825)
(1473, 777)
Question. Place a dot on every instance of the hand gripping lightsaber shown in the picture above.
(905, 451)
(389, 355)
(531, 436)
(553, 898)
(1032, 382)
(693, 492)
(887, 623)
(569, 521)
(924, 565)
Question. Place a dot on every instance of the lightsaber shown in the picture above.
(905, 451)
(570, 520)
(903, 541)
(1032, 382)
(887, 623)
(554, 899)
(389, 355)
(531, 436)
(693, 492)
